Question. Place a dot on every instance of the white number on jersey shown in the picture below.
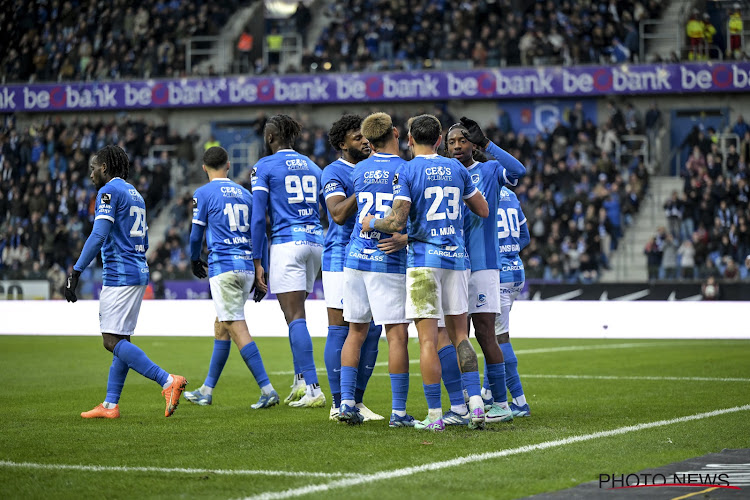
(381, 209)
(508, 224)
(236, 214)
(453, 210)
(304, 189)
(139, 225)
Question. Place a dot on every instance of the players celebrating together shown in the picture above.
(434, 240)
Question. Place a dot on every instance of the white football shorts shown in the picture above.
(508, 293)
(433, 292)
(333, 289)
(119, 307)
(294, 266)
(230, 291)
(374, 296)
(484, 291)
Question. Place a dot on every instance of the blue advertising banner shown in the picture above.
(504, 83)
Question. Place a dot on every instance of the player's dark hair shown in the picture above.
(215, 157)
(341, 127)
(287, 127)
(476, 154)
(378, 129)
(116, 159)
(425, 129)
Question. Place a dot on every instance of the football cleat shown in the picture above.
(520, 411)
(497, 413)
(266, 400)
(453, 418)
(367, 413)
(102, 412)
(405, 421)
(477, 418)
(198, 398)
(350, 415)
(172, 394)
(334, 414)
(488, 403)
(297, 392)
(430, 425)
(308, 401)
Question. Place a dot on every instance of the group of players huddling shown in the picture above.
(400, 247)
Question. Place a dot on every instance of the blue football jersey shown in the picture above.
(481, 234)
(373, 183)
(436, 187)
(337, 181)
(224, 208)
(124, 250)
(510, 218)
(292, 181)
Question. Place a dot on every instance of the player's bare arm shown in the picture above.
(393, 244)
(341, 208)
(478, 204)
(396, 220)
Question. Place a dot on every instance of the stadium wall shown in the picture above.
(530, 319)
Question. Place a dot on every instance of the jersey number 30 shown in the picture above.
(507, 223)
(301, 189)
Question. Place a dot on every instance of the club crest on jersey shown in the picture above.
(481, 298)
(106, 198)
(475, 178)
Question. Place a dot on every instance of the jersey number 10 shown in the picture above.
(236, 214)
(507, 223)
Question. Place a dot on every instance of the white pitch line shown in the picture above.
(637, 377)
(542, 350)
(225, 472)
(408, 471)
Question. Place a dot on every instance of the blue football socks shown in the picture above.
(451, 375)
(332, 356)
(218, 360)
(495, 373)
(348, 383)
(136, 359)
(399, 391)
(252, 358)
(471, 383)
(302, 350)
(117, 373)
(368, 356)
(512, 380)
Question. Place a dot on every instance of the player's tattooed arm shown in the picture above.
(467, 357)
(394, 223)
(393, 244)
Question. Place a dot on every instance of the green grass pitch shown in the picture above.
(47, 381)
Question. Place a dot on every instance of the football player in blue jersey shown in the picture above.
(222, 212)
(121, 233)
(286, 185)
(428, 193)
(481, 236)
(375, 276)
(346, 138)
(513, 233)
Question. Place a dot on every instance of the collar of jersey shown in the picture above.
(473, 165)
(433, 155)
(113, 178)
(346, 162)
(386, 155)
(286, 151)
(220, 179)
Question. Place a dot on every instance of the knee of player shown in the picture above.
(110, 341)
(503, 338)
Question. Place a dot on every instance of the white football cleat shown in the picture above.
(367, 413)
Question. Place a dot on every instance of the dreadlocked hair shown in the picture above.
(377, 128)
(287, 127)
(476, 154)
(340, 127)
(116, 159)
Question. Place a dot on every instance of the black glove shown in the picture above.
(258, 294)
(70, 286)
(199, 268)
(474, 132)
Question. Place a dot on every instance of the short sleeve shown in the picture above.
(333, 184)
(521, 216)
(105, 204)
(200, 209)
(259, 178)
(469, 187)
(402, 184)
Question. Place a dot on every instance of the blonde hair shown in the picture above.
(378, 129)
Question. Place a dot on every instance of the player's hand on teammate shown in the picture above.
(366, 223)
(259, 285)
(199, 268)
(474, 132)
(70, 286)
(393, 244)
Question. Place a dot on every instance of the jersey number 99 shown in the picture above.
(301, 189)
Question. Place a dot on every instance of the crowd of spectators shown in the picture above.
(708, 230)
(47, 201)
(74, 40)
(379, 34)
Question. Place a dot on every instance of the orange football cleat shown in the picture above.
(102, 412)
(172, 394)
